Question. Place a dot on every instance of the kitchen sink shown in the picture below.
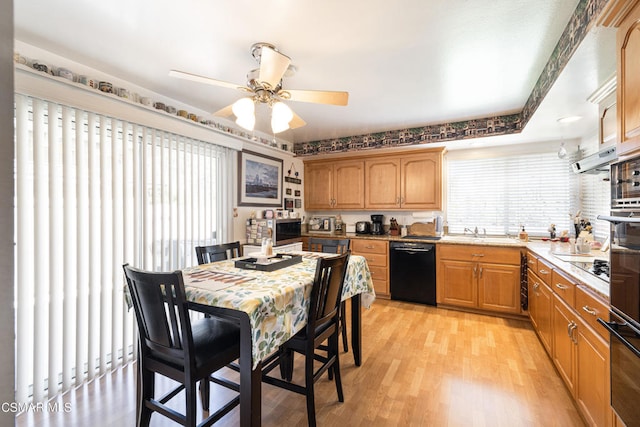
(492, 240)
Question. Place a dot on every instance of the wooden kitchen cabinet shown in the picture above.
(625, 15)
(628, 90)
(485, 278)
(540, 307)
(376, 252)
(564, 342)
(579, 346)
(411, 181)
(334, 185)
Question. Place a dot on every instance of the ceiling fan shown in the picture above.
(265, 86)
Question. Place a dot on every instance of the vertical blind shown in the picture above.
(501, 194)
(92, 193)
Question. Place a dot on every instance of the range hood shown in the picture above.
(596, 163)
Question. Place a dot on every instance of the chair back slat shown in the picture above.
(160, 306)
(327, 290)
(212, 253)
(331, 246)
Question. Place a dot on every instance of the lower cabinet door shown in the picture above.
(564, 346)
(499, 288)
(592, 385)
(458, 283)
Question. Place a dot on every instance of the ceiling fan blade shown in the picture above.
(316, 96)
(205, 80)
(224, 112)
(273, 64)
(296, 122)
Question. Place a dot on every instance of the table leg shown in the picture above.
(356, 329)
(250, 379)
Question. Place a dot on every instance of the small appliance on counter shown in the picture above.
(363, 227)
(376, 224)
(322, 224)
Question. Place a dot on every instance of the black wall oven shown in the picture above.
(624, 291)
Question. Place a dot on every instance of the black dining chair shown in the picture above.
(322, 326)
(334, 246)
(212, 253)
(170, 344)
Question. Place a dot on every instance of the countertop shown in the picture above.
(556, 253)
(454, 239)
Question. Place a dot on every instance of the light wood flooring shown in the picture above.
(422, 366)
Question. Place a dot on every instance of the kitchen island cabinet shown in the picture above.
(334, 185)
(485, 278)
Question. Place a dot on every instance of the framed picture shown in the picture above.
(297, 193)
(259, 180)
(287, 191)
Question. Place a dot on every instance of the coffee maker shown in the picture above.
(376, 224)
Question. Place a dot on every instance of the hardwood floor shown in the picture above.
(422, 366)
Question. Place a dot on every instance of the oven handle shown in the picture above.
(619, 219)
(611, 328)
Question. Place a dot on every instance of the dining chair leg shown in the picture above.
(205, 386)
(286, 365)
(311, 406)
(335, 368)
(148, 389)
(343, 325)
(191, 403)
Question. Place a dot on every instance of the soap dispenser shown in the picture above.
(523, 235)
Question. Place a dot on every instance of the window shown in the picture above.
(503, 193)
(92, 193)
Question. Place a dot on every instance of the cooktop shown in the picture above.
(408, 236)
(598, 268)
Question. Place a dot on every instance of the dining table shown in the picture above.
(270, 307)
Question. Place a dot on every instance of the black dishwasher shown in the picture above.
(413, 272)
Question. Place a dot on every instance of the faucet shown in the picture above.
(475, 231)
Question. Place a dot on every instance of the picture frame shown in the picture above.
(297, 193)
(287, 191)
(259, 179)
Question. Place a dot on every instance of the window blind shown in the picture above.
(92, 193)
(595, 199)
(503, 193)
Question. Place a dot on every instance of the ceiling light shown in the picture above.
(281, 115)
(569, 119)
(244, 110)
(562, 152)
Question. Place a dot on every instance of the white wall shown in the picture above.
(7, 367)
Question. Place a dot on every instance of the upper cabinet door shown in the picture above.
(421, 182)
(349, 184)
(382, 176)
(318, 186)
(628, 46)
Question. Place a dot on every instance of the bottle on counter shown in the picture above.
(267, 245)
(523, 235)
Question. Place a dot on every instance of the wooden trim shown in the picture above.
(378, 153)
(615, 12)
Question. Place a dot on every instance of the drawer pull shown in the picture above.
(477, 254)
(590, 310)
(531, 262)
(369, 247)
(561, 286)
(543, 271)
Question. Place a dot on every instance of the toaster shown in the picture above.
(363, 227)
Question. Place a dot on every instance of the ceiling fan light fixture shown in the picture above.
(247, 122)
(281, 115)
(243, 107)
